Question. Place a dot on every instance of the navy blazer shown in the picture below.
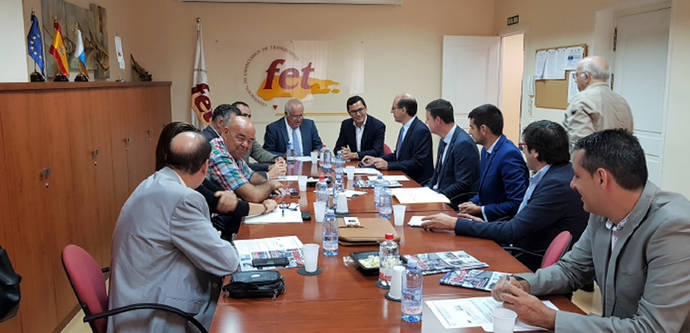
(503, 182)
(552, 208)
(209, 133)
(460, 172)
(372, 138)
(415, 158)
(276, 137)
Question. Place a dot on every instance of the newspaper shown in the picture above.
(440, 262)
(473, 279)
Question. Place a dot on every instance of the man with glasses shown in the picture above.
(596, 107)
(362, 134)
(266, 160)
(292, 129)
(549, 206)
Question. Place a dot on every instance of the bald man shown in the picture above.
(164, 248)
(596, 107)
(228, 168)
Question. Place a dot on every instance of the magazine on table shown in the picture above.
(473, 279)
(441, 262)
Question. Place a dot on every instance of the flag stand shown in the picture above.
(36, 76)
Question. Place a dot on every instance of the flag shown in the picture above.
(79, 54)
(57, 49)
(201, 103)
(35, 44)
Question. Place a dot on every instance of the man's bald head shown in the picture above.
(189, 151)
(239, 136)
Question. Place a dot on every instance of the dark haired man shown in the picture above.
(504, 175)
(633, 247)
(165, 250)
(413, 151)
(549, 206)
(220, 117)
(457, 163)
(362, 134)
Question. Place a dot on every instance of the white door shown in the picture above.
(640, 76)
(470, 73)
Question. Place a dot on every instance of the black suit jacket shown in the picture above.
(460, 172)
(372, 138)
(552, 208)
(276, 138)
(209, 133)
(414, 155)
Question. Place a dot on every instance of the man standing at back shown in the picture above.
(457, 163)
(596, 107)
(360, 135)
(292, 129)
(504, 176)
(165, 250)
(413, 151)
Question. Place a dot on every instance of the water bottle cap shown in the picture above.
(330, 212)
(411, 263)
(321, 177)
(323, 146)
(389, 236)
(380, 176)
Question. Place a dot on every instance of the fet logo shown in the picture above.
(292, 82)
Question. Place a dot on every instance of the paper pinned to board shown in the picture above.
(573, 55)
(539, 65)
(572, 86)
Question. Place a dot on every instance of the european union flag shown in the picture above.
(35, 43)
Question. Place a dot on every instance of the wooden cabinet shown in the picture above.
(71, 155)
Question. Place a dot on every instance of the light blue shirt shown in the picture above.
(533, 182)
(289, 134)
(406, 127)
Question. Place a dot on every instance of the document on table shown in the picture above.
(418, 195)
(279, 215)
(366, 171)
(397, 178)
(472, 312)
(415, 221)
(349, 193)
(287, 178)
(303, 158)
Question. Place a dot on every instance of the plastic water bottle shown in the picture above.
(290, 154)
(378, 183)
(330, 234)
(321, 155)
(388, 258)
(326, 153)
(338, 186)
(412, 293)
(339, 165)
(322, 190)
(385, 202)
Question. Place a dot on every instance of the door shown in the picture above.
(640, 68)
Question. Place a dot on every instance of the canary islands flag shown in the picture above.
(79, 54)
(34, 43)
(57, 49)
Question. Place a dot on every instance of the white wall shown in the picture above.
(12, 38)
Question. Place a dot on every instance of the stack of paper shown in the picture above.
(397, 178)
(366, 171)
(418, 195)
(279, 215)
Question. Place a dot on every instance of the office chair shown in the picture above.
(557, 248)
(386, 150)
(88, 282)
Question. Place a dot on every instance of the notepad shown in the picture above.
(397, 178)
(418, 195)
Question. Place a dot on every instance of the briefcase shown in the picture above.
(255, 284)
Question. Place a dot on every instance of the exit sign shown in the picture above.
(513, 20)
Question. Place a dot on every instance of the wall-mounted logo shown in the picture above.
(275, 71)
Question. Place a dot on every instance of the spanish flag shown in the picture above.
(57, 49)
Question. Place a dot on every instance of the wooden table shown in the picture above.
(341, 298)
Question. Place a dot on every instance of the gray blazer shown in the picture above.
(644, 280)
(165, 250)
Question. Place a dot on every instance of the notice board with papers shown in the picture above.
(552, 75)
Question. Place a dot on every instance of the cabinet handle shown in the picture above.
(127, 141)
(45, 172)
(94, 153)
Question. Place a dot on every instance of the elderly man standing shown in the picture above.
(596, 107)
(292, 129)
(228, 169)
(164, 248)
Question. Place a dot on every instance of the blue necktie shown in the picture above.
(295, 143)
(400, 140)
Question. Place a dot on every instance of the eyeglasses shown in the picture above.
(360, 110)
(246, 115)
(299, 116)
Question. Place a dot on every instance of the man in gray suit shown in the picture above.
(632, 246)
(165, 249)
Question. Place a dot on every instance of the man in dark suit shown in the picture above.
(361, 135)
(292, 129)
(221, 117)
(456, 174)
(504, 176)
(413, 151)
(549, 207)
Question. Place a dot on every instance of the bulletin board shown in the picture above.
(553, 94)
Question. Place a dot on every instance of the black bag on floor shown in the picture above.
(9, 288)
(255, 284)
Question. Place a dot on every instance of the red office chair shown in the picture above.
(557, 248)
(386, 150)
(88, 283)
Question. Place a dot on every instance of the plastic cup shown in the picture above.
(396, 282)
(311, 257)
(314, 157)
(504, 320)
(302, 182)
(350, 170)
(399, 213)
(319, 210)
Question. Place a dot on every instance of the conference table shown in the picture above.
(342, 298)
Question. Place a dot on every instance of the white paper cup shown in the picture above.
(399, 214)
(350, 170)
(396, 282)
(314, 157)
(302, 182)
(319, 210)
(341, 203)
(504, 320)
(311, 257)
